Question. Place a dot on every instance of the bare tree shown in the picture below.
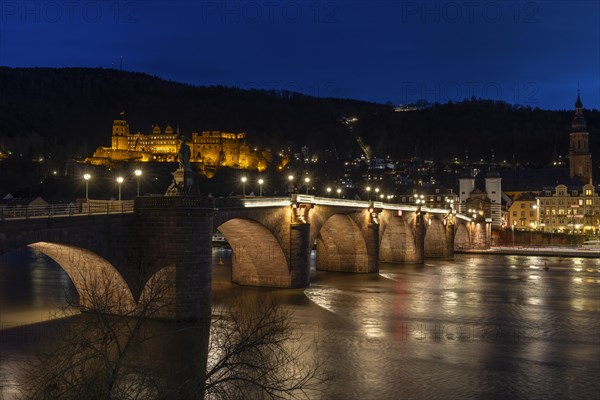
(92, 357)
(256, 351)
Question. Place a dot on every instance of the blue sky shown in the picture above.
(532, 53)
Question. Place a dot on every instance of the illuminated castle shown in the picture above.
(210, 150)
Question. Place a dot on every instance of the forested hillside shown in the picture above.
(68, 112)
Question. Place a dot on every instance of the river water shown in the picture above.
(481, 326)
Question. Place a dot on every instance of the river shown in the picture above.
(481, 326)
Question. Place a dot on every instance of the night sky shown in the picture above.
(533, 53)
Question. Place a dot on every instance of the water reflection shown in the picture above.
(479, 327)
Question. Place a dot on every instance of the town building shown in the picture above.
(522, 212)
(571, 210)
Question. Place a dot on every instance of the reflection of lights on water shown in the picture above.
(578, 280)
(391, 277)
(534, 277)
(513, 266)
(592, 280)
(372, 328)
(450, 298)
(534, 301)
(577, 304)
(534, 266)
(578, 269)
(536, 260)
(323, 297)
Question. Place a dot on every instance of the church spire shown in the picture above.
(579, 124)
(580, 158)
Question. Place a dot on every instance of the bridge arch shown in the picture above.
(341, 246)
(258, 259)
(435, 238)
(99, 285)
(397, 242)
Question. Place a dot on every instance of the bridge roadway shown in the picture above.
(165, 242)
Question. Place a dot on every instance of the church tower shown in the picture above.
(580, 159)
(120, 133)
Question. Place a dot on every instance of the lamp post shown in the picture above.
(339, 192)
(120, 181)
(244, 179)
(291, 184)
(307, 181)
(138, 174)
(328, 191)
(512, 227)
(87, 178)
(369, 193)
(260, 183)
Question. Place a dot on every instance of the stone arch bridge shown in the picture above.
(169, 239)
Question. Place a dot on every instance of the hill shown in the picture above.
(68, 112)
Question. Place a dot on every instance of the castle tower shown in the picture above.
(120, 133)
(580, 159)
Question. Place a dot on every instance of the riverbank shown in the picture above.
(537, 251)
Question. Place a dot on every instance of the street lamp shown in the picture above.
(307, 181)
(328, 191)
(260, 183)
(120, 181)
(138, 173)
(244, 179)
(368, 192)
(339, 192)
(87, 178)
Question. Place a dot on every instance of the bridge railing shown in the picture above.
(92, 207)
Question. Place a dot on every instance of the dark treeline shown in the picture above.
(69, 111)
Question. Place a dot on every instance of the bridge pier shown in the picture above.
(175, 236)
(480, 240)
(419, 235)
(449, 250)
(300, 248)
(372, 243)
